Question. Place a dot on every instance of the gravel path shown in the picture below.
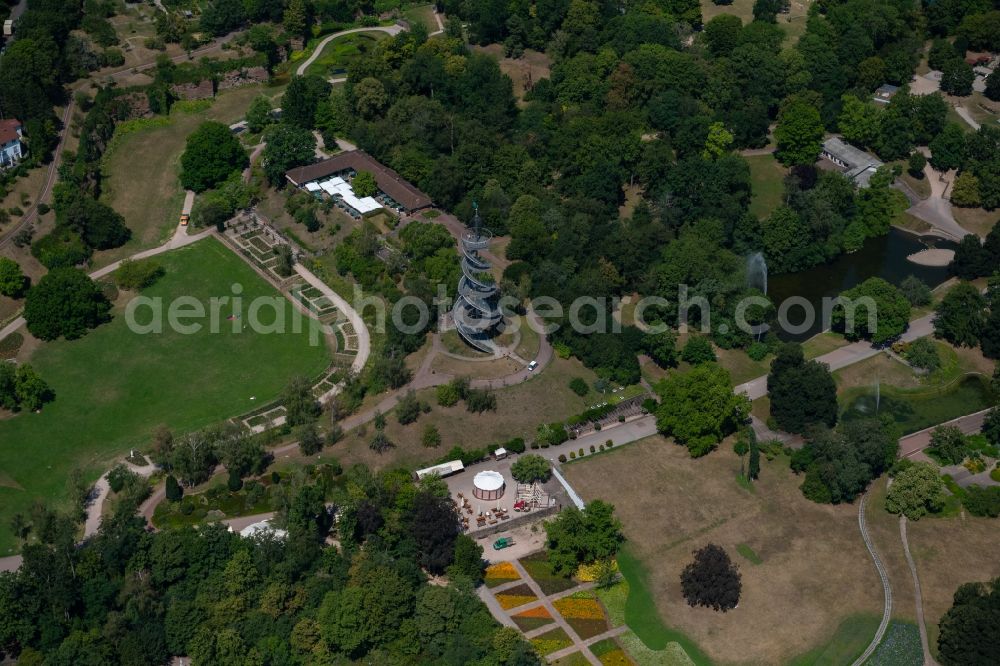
(924, 643)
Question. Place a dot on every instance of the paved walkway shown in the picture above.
(578, 643)
(935, 210)
(924, 643)
(394, 29)
(911, 445)
(845, 356)
(364, 337)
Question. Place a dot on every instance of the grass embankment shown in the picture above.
(142, 164)
(113, 387)
(767, 179)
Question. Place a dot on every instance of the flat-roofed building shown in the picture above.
(857, 164)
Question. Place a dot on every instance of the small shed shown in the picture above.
(500, 453)
(444, 469)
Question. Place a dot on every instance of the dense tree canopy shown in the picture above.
(803, 393)
(699, 408)
(875, 310)
(712, 580)
(212, 153)
(65, 303)
(970, 630)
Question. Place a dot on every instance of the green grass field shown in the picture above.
(114, 387)
(341, 52)
(850, 640)
(767, 181)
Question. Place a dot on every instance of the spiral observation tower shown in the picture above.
(477, 313)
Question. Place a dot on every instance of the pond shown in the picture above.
(883, 257)
(915, 410)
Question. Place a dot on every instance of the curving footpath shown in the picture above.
(886, 587)
(394, 29)
(918, 598)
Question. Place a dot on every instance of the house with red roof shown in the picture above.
(11, 148)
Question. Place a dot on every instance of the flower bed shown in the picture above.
(551, 641)
(537, 566)
(584, 613)
(516, 596)
(500, 573)
(610, 653)
(532, 619)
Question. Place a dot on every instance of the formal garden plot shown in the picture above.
(584, 613)
(572, 659)
(610, 653)
(533, 618)
(551, 641)
(900, 646)
(516, 596)
(500, 573)
(266, 420)
(259, 244)
(538, 567)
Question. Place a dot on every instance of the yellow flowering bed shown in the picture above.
(551, 641)
(579, 608)
(500, 573)
(516, 596)
(584, 613)
(587, 573)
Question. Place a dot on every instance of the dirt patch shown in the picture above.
(524, 72)
(671, 505)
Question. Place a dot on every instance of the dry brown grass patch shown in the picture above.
(815, 570)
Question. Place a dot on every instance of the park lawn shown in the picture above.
(767, 183)
(341, 52)
(793, 23)
(422, 14)
(947, 553)
(977, 220)
(114, 387)
(741, 367)
(823, 343)
(544, 398)
(142, 166)
(849, 640)
(672, 505)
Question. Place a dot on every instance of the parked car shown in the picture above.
(185, 218)
(503, 542)
(532, 366)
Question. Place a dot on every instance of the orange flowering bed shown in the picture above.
(532, 618)
(516, 596)
(500, 573)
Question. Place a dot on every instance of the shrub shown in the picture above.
(592, 449)
(981, 501)
(173, 489)
(480, 400)
(408, 408)
(430, 437)
(562, 457)
(578, 386)
(448, 394)
(515, 445)
(698, 350)
(757, 351)
(581, 453)
(136, 275)
(601, 447)
(117, 478)
(572, 455)
(712, 580)
(609, 443)
(234, 482)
